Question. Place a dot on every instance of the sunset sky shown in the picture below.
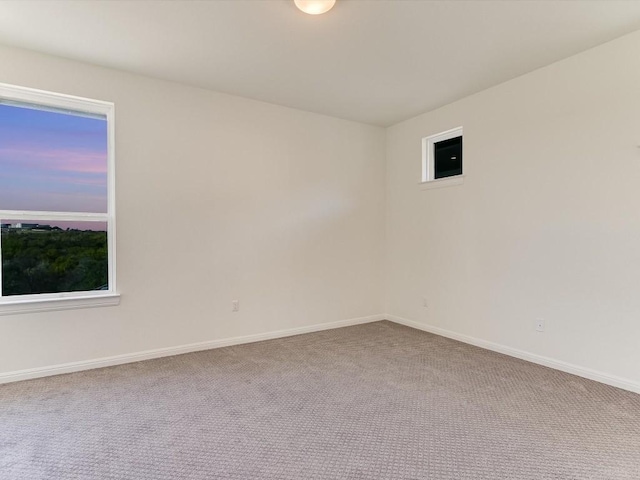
(52, 161)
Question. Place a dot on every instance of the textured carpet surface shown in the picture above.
(376, 401)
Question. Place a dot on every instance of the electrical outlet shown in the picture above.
(235, 305)
(540, 324)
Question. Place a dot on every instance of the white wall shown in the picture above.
(547, 223)
(218, 198)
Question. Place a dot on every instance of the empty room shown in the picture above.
(319, 239)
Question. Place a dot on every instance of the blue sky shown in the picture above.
(52, 161)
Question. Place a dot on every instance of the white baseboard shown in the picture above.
(601, 377)
(169, 351)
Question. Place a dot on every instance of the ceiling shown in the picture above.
(373, 61)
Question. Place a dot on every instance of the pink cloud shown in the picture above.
(64, 160)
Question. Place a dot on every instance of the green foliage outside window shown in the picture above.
(53, 261)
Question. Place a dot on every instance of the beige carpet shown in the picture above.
(376, 401)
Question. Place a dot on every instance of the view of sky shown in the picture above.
(52, 161)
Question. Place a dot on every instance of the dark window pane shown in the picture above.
(53, 257)
(447, 156)
(52, 161)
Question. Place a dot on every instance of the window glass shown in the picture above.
(52, 257)
(52, 161)
(448, 157)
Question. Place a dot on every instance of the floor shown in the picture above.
(375, 401)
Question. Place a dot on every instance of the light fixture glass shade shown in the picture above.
(315, 7)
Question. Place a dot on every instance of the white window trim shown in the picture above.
(428, 175)
(68, 300)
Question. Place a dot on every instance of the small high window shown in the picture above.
(442, 155)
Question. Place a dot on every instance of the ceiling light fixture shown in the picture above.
(315, 7)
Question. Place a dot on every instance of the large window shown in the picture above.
(57, 217)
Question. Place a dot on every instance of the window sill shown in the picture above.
(12, 307)
(442, 182)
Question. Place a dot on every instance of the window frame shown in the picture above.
(428, 160)
(67, 300)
